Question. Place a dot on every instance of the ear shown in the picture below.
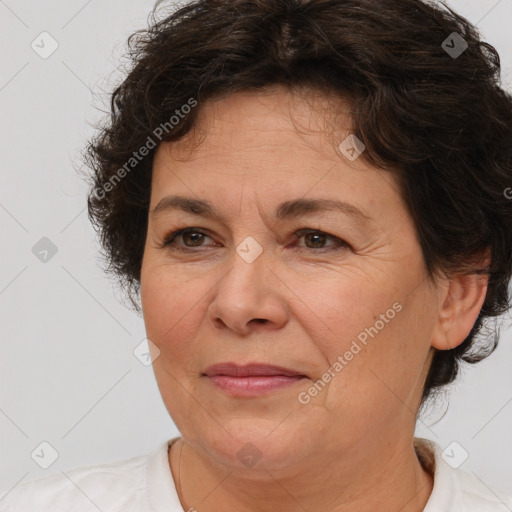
(461, 301)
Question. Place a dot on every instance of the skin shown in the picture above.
(300, 305)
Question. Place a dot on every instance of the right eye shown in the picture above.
(191, 237)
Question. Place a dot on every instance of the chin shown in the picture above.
(257, 445)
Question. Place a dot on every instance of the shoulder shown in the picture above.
(116, 486)
(455, 489)
(477, 494)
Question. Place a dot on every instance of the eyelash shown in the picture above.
(171, 237)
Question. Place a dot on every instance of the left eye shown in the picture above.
(317, 239)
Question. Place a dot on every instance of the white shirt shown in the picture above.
(145, 484)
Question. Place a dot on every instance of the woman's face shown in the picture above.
(275, 273)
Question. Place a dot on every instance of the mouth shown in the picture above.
(251, 379)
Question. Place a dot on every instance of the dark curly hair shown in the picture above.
(427, 104)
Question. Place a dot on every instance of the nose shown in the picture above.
(249, 297)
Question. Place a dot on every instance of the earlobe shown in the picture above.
(460, 307)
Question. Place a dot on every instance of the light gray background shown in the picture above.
(68, 374)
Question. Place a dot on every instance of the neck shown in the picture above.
(389, 480)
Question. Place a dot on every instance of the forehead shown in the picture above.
(275, 118)
(274, 145)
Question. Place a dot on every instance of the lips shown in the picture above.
(252, 379)
(250, 370)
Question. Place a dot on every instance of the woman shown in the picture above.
(313, 215)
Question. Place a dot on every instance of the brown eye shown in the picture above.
(314, 239)
(190, 238)
(317, 240)
(194, 237)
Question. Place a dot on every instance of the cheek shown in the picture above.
(171, 315)
(170, 304)
(383, 358)
(346, 306)
(381, 330)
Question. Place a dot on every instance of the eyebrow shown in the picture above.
(286, 210)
